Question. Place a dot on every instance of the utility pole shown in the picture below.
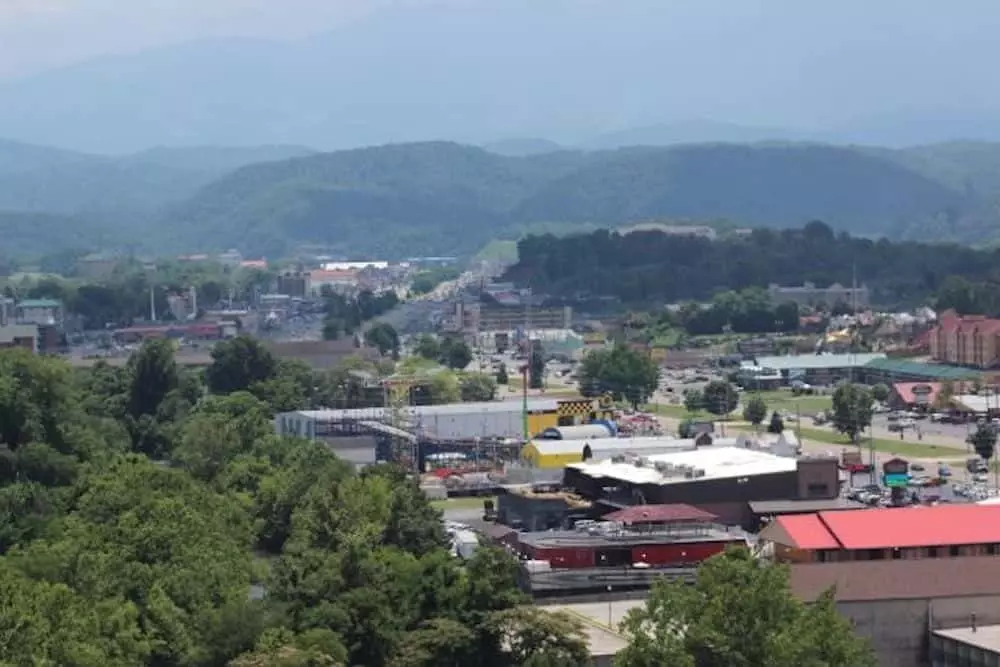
(526, 377)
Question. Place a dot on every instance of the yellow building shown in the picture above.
(554, 453)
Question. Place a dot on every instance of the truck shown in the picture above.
(854, 462)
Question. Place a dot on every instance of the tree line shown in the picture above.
(646, 267)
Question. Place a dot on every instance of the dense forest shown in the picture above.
(438, 198)
(649, 266)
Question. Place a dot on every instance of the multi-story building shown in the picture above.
(809, 295)
(295, 284)
(43, 312)
(970, 340)
(19, 335)
(339, 280)
(472, 318)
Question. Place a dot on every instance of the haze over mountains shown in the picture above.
(599, 74)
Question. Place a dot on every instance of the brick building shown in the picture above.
(969, 340)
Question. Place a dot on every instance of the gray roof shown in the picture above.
(791, 506)
(813, 361)
(446, 410)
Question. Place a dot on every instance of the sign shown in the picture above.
(896, 473)
(921, 393)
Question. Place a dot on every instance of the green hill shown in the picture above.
(402, 200)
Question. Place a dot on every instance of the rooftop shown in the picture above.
(986, 637)
(13, 331)
(814, 361)
(712, 462)
(885, 528)
(601, 447)
(923, 578)
(918, 369)
(39, 303)
(446, 410)
(660, 514)
(689, 533)
(809, 505)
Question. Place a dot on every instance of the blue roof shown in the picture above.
(39, 303)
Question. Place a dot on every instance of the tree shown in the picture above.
(502, 378)
(777, 424)
(427, 346)
(738, 612)
(238, 364)
(333, 328)
(444, 388)
(720, 397)
(944, 397)
(622, 372)
(694, 400)
(455, 353)
(383, 337)
(533, 636)
(984, 440)
(154, 374)
(852, 410)
(476, 387)
(755, 411)
(880, 392)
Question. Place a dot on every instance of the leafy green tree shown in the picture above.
(333, 328)
(455, 353)
(720, 397)
(502, 378)
(984, 441)
(621, 372)
(383, 337)
(238, 364)
(755, 411)
(536, 366)
(445, 388)
(154, 374)
(738, 612)
(852, 410)
(880, 392)
(427, 346)
(535, 637)
(36, 399)
(476, 387)
(694, 400)
(777, 424)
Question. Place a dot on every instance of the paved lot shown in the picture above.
(601, 639)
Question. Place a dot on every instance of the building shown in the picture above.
(906, 608)
(653, 535)
(479, 317)
(7, 311)
(545, 453)
(904, 533)
(456, 421)
(339, 280)
(19, 335)
(810, 295)
(296, 284)
(970, 340)
(719, 479)
(200, 331)
(39, 311)
(356, 266)
(890, 371)
(916, 395)
(817, 369)
(96, 266)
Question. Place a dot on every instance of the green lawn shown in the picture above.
(887, 445)
(465, 503)
(782, 401)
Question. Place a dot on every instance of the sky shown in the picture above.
(40, 34)
(564, 69)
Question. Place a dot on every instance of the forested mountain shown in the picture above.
(652, 267)
(402, 200)
(35, 234)
(441, 197)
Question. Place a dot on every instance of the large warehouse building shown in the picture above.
(560, 453)
(721, 480)
(455, 421)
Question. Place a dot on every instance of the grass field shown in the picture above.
(887, 445)
(782, 401)
(467, 503)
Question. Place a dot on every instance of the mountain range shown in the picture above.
(437, 198)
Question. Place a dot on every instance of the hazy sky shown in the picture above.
(39, 34)
(528, 66)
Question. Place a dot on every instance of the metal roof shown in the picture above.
(446, 410)
(802, 531)
(39, 303)
(915, 368)
(606, 447)
(808, 505)
(714, 462)
(942, 525)
(660, 514)
(813, 361)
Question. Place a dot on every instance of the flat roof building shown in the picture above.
(719, 479)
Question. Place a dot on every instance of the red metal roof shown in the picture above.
(906, 393)
(943, 525)
(660, 514)
(807, 531)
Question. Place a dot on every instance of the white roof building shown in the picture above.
(692, 465)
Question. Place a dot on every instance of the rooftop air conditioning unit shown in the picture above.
(699, 472)
(618, 458)
(641, 462)
(660, 466)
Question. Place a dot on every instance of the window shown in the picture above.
(876, 554)
(991, 550)
(954, 550)
(932, 552)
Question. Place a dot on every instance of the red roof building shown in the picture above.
(886, 534)
(915, 394)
